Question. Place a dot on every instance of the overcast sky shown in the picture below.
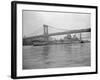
(33, 21)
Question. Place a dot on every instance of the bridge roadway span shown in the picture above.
(61, 33)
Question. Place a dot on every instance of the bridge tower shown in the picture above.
(80, 36)
(81, 41)
(45, 32)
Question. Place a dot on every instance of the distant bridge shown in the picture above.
(45, 36)
(62, 33)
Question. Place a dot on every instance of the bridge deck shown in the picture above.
(61, 33)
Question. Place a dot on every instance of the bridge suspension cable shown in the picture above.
(57, 28)
(37, 31)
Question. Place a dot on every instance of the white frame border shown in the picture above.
(67, 70)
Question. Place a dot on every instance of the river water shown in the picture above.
(53, 56)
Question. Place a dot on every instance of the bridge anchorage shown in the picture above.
(45, 38)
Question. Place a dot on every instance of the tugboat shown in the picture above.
(39, 43)
(81, 41)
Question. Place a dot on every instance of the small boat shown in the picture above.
(39, 43)
(81, 41)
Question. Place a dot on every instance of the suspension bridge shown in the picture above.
(46, 34)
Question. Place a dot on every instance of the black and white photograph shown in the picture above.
(54, 39)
